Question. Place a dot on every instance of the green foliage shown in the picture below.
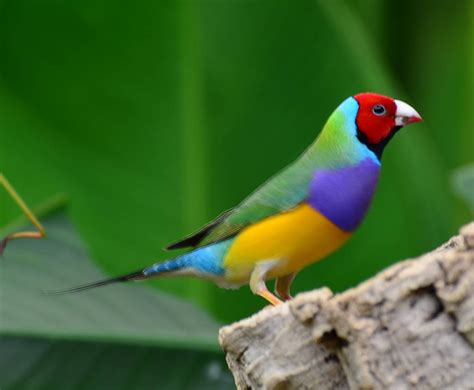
(116, 337)
(30, 364)
(156, 116)
(463, 184)
(27, 364)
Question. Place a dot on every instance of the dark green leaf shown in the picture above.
(127, 313)
(27, 364)
(120, 337)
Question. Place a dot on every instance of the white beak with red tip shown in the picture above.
(406, 114)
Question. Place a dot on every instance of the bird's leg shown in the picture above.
(282, 286)
(40, 233)
(257, 281)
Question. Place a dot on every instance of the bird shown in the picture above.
(299, 216)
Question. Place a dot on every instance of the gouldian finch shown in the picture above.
(298, 216)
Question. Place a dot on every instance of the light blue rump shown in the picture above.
(207, 259)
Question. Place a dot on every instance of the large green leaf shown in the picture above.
(125, 336)
(129, 313)
(156, 116)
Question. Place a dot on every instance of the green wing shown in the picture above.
(281, 193)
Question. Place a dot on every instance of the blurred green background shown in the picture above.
(155, 116)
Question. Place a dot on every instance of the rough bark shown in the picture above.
(410, 326)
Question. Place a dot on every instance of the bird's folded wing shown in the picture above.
(195, 238)
(281, 193)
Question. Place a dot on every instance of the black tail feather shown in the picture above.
(124, 278)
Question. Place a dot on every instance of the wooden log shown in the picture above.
(411, 326)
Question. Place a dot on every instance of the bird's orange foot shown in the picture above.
(286, 297)
(270, 297)
(282, 286)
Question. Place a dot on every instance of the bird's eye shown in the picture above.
(379, 110)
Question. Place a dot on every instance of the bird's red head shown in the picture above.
(379, 117)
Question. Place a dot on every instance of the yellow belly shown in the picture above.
(298, 237)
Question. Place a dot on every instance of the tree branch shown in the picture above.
(410, 326)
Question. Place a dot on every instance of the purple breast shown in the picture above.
(343, 195)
